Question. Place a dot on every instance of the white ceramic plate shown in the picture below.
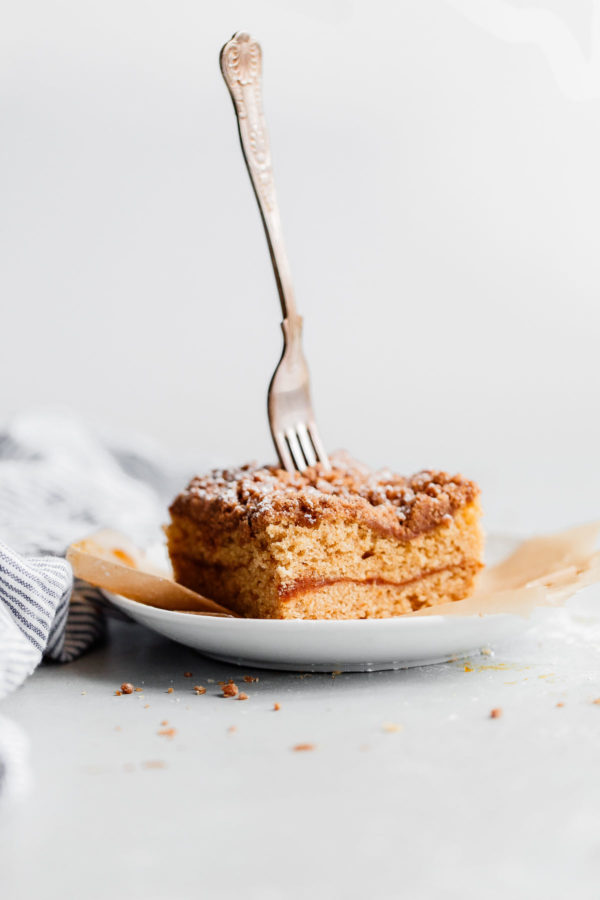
(364, 645)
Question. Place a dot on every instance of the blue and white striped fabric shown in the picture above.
(42, 614)
(34, 603)
(57, 484)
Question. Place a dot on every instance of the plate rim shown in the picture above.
(417, 621)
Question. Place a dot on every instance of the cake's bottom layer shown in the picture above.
(372, 599)
(341, 598)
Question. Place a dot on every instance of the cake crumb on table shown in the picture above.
(596, 701)
(198, 689)
(154, 764)
(139, 690)
(230, 689)
(127, 687)
(118, 693)
(560, 703)
(187, 674)
(276, 707)
(231, 729)
(249, 679)
(300, 748)
(170, 690)
(164, 722)
(391, 727)
(167, 732)
(496, 713)
(243, 696)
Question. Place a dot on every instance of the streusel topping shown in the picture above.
(261, 495)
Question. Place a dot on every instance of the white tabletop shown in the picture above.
(449, 802)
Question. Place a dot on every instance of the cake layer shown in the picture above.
(356, 600)
(349, 549)
(341, 598)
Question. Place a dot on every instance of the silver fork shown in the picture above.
(291, 416)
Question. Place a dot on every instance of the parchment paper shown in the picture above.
(111, 561)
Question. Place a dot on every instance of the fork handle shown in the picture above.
(241, 65)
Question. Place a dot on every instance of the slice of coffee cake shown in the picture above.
(341, 544)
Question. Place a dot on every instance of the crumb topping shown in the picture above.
(388, 502)
(167, 732)
(230, 689)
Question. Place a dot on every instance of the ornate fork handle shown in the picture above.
(241, 65)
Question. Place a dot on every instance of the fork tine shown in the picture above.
(294, 445)
(305, 443)
(282, 449)
(318, 445)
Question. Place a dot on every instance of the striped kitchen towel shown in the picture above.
(58, 482)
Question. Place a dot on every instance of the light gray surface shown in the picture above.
(454, 803)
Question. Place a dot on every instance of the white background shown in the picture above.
(437, 166)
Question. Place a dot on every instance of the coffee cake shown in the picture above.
(340, 544)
